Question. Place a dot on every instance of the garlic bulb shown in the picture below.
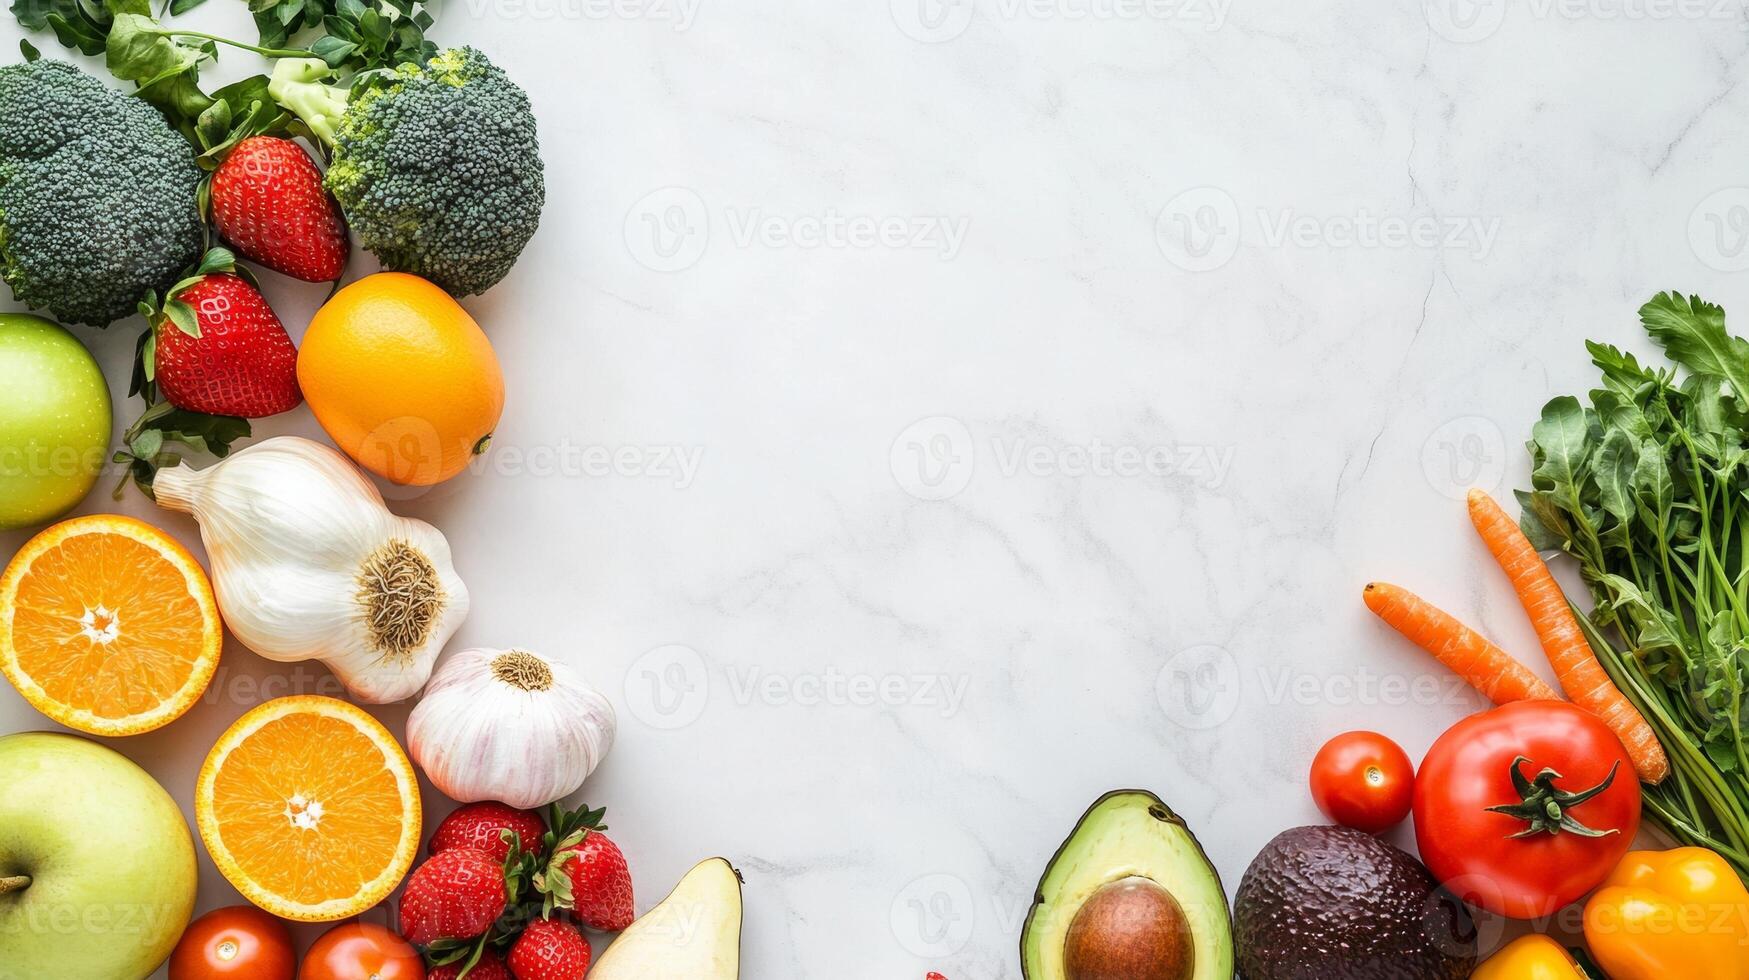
(308, 564)
(509, 725)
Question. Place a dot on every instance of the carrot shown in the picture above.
(1575, 663)
(1486, 667)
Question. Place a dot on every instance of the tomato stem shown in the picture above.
(1546, 808)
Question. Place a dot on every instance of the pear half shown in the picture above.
(695, 934)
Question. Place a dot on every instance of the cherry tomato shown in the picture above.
(236, 943)
(1573, 807)
(361, 951)
(1363, 780)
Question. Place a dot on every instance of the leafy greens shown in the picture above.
(1646, 484)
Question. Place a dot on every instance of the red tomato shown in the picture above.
(1563, 761)
(361, 951)
(1363, 780)
(237, 943)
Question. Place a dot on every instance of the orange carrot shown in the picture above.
(1486, 667)
(1575, 663)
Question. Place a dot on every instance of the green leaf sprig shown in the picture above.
(1646, 484)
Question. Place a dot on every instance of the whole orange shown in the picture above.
(402, 378)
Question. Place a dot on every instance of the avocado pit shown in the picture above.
(1130, 929)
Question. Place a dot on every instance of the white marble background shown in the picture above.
(1051, 374)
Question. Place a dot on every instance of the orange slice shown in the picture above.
(107, 625)
(309, 808)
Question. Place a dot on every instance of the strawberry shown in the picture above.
(267, 200)
(550, 950)
(932, 976)
(490, 967)
(482, 825)
(217, 348)
(589, 875)
(456, 895)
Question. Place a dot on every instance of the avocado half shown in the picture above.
(1125, 841)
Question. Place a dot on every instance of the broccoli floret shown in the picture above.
(437, 166)
(97, 195)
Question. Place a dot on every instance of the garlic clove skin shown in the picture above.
(309, 564)
(511, 726)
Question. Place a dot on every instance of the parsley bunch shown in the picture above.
(1646, 484)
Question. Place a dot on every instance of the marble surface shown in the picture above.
(925, 416)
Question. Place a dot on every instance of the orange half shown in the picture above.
(310, 809)
(108, 626)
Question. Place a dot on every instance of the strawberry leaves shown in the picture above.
(569, 828)
(539, 869)
(146, 446)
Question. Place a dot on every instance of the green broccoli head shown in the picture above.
(438, 169)
(97, 195)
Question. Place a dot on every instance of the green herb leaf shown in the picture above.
(1560, 437)
(1692, 332)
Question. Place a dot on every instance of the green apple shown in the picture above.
(54, 421)
(97, 872)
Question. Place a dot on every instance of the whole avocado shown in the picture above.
(1325, 902)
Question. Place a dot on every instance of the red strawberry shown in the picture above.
(932, 976)
(456, 895)
(481, 826)
(550, 950)
(268, 202)
(591, 877)
(242, 363)
(490, 967)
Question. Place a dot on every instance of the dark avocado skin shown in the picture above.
(1322, 903)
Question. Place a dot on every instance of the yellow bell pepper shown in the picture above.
(1666, 914)
(1530, 958)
